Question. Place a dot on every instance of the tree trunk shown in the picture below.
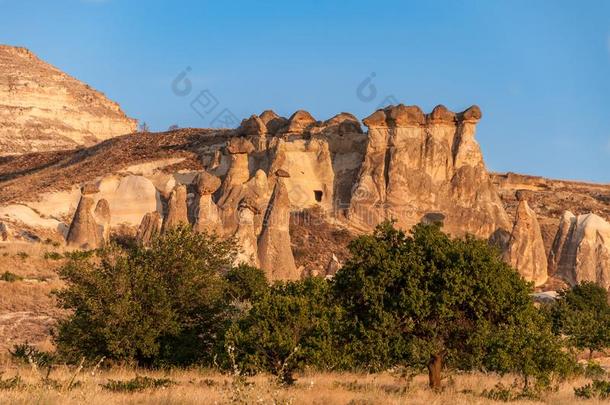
(434, 370)
(590, 354)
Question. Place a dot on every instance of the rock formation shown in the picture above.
(177, 212)
(207, 218)
(526, 251)
(409, 166)
(149, 228)
(231, 191)
(581, 250)
(246, 233)
(42, 108)
(84, 232)
(274, 247)
(417, 163)
(101, 215)
(4, 232)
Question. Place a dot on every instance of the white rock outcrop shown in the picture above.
(581, 250)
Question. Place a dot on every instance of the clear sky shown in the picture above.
(539, 70)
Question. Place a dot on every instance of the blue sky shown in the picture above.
(539, 70)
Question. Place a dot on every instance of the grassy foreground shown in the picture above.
(210, 387)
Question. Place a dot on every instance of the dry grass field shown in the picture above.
(211, 387)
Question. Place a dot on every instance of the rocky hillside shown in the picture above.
(42, 108)
(295, 190)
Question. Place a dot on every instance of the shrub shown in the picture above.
(288, 327)
(500, 392)
(156, 306)
(594, 371)
(138, 384)
(26, 354)
(598, 389)
(53, 256)
(583, 314)
(11, 383)
(10, 277)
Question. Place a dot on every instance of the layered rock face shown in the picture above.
(42, 108)
(526, 251)
(419, 165)
(581, 250)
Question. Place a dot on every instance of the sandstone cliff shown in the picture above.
(418, 165)
(42, 108)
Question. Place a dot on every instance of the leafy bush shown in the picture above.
(160, 305)
(583, 314)
(26, 354)
(500, 392)
(10, 277)
(137, 384)
(288, 327)
(594, 371)
(598, 389)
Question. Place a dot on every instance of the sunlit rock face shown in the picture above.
(581, 250)
(42, 108)
(526, 251)
(420, 165)
(251, 183)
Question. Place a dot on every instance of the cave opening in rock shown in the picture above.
(318, 195)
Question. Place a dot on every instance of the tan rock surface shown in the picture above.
(246, 233)
(207, 218)
(84, 232)
(42, 108)
(417, 164)
(274, 247)
(149, 228)
(526, 251)
(102, 217)
(177, 212)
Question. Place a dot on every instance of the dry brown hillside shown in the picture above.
(25, 176)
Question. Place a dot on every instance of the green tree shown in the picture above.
(428, 299)
(582, 313)
(161, 305)
(245, 283)
(289, 326)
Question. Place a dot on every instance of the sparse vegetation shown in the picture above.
(139, 383)
(597, 389)
(53, 256)
(10, 277)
